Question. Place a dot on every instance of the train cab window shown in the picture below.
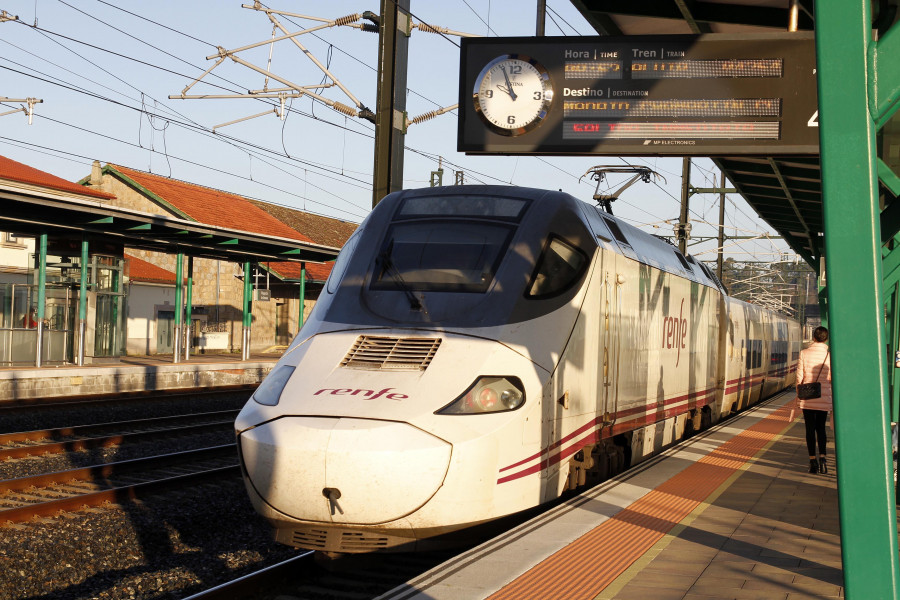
(506, 209)
(560, 266)
(340, 264)
(441, 255)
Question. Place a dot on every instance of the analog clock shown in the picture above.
(512, 94)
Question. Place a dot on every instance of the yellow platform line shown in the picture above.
(590, 564)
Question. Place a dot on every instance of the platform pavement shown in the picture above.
(130, 374)
(768, 530)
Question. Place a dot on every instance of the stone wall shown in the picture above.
(26, 384)
(225, 305)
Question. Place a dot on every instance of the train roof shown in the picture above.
(654, 251)
(618, 235)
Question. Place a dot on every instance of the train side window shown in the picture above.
(616, 231)
(559, 267)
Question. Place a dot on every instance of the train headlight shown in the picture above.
(269, 391)
(488, 395)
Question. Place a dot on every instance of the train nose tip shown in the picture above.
(342, 469)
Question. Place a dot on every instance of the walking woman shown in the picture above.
(815, 365)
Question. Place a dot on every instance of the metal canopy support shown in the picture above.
(248, 317)
(42, 297)
(302, 295)
(855, 303)
(176, 352)
(82, 303)
(188, 308)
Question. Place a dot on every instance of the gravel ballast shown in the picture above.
(167, 546)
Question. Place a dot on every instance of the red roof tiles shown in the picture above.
(141, 270)
(16, 171)
(210, 206)
(291, 270)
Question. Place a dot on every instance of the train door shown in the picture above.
(610, 346)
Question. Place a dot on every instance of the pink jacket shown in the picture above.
(812, 360)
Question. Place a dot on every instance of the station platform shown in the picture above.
(133, 374)
(732, 513)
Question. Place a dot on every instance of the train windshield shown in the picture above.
(487, 207)
(441, 255)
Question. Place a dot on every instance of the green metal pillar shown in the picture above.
(893, 311)
(188, 308)
(853, 250)
(41, 299)
(82, 303)
(248, 316)
(302, 295)
(176, 352)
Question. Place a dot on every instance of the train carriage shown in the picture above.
(478, 351)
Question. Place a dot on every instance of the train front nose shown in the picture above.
(343, 470)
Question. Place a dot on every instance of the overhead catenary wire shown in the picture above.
(89, 160)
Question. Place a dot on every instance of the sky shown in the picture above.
(105, 71)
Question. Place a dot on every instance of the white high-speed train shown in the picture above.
(478, 351)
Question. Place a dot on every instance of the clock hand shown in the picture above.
(508, 89)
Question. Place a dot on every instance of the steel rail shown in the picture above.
(114, 495)
(113, 469)
(105, 399)
(107, 471)
(40, 434)
(249, 584)
(83, 443)
(104, 441)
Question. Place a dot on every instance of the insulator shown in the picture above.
(343, 108)
(370, 27)
(348, 19)
(426, 28)
(422, 118)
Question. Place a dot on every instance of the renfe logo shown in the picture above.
(369, 394)
(674, 332)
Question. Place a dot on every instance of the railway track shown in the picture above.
(352, 577)
(48, 494)
(105, 435)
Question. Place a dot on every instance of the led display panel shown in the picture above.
(685, 95)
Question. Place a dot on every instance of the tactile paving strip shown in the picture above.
(581, 570)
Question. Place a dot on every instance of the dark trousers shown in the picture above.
(815, 428)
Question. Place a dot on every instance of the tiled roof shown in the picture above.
(141, 270)
(321, 230)
(291, 270)
(16, 171)
(210, 206)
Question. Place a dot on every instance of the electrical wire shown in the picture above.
(89, 160)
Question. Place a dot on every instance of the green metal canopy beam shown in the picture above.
(887, 90)
(888, 178)
(855, 300)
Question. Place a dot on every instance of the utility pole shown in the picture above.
(721, 228)
(541, 17)
(390, 117)
(683, 230)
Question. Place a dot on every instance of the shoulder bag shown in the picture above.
(810, 391)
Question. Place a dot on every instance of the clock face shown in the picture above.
(513, 94)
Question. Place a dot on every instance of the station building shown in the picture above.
(130, 292)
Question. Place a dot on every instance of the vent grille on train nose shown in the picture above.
(391, 353)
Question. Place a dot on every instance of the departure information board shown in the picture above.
(692, 95)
